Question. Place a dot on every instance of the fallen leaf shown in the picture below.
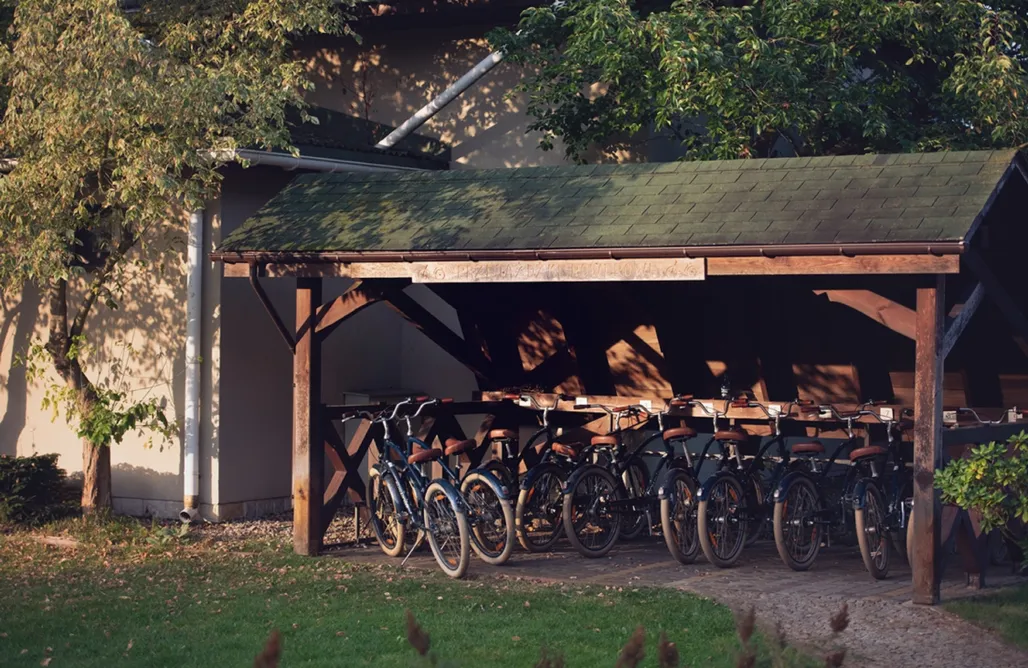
(516, 638)
(24, 651)
(527, 604)
(129, 645)
(46, 661)
(340, 634)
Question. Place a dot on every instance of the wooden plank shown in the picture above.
(896, 317)
(308, 451)
(927, 441)
(498, 271)
(817, 265)
(351, 302)
(981, 434)
(959, 319)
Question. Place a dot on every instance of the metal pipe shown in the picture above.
(191, 426)
(784, 250)
(441, 100)
(290, 162)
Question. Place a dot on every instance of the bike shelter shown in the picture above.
(836, 279)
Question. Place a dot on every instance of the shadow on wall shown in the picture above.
(22, 316)
(389, 77)
(140, 482)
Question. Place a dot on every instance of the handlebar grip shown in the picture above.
(740, 403)
(579, 407)
(447, 400)
(804, 403)
(512, 397)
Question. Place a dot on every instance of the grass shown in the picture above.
(133, 596)
(1004, 612)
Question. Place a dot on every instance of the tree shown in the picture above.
(733, 78)
(117, 122)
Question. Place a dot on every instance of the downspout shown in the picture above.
(191, 430)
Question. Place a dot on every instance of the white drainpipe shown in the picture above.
(194, 315)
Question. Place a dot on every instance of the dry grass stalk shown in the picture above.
(269, 656)
(416, 636)
(634, 650)
(667, 652)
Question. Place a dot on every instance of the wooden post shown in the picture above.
(928, 362)
(308, 448)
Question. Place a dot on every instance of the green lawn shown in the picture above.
(1005, 612)
(124, 601)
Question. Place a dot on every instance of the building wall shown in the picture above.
(140, 352)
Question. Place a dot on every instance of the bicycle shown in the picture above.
(539, 508)
(809, 510)
(490, 513)
(616, 485)
(401, 496)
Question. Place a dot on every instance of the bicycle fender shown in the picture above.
(860, 494)
(663, 489)
(492, 481)
(450, 491)
(573, 479)
(708, 484)
(529, 479)
(786, 482)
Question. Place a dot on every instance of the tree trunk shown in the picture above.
(96, 474)
(96, 460)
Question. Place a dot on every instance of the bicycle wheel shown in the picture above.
(492, 519)
(798, 533)
(678, 516)
(755, 528)
(508, 478)
(634, 524)
(383, 506)
(873, 533)
(591, 524)
(721, 522)
(447, 524)
(537, 514)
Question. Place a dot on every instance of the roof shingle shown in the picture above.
(841, 199)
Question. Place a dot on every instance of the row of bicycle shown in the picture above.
(620, 486)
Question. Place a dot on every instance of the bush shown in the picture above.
(991, 479)
(32, 489)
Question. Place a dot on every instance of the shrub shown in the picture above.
(991, 479)
(32, 489)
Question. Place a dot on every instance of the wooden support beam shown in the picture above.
(896, 317)
(927, 442)
(440, 334)
(346, 461)
(960, 316)
(308, 449)
(826, 265)
(348, 304)
(995, 291)
(982, 434)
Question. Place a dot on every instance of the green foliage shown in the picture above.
(733, 78)
(32, 489)
(992, 479)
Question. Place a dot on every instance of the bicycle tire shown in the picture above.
(579, 526)
(872, 533)
(636, 523)
(801, 496)
(730, 509)
(447, 522)
(390, 540)
(493, 547)
(678, 516)
(508, 478)
(541, 535)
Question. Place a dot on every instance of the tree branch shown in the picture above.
(128, 240)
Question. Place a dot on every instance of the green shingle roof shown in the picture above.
(843, 199)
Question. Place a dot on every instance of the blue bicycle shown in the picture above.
(406, 505)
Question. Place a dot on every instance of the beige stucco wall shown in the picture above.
(138, 350)
(389, 77)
